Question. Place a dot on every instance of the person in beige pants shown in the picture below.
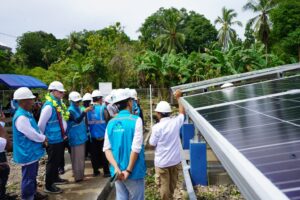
(165, 139)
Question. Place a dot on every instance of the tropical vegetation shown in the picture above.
(174, 47)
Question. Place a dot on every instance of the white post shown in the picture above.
(151, 119)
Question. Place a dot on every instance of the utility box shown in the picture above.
(198, 163)
(187, 133)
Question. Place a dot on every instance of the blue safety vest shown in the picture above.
(96, 121)
(76, 132)
(135, 108)
(53, 130)
(25, 150)
(120, 131)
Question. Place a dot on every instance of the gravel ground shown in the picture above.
(13, 185)
(218, 192)
(212, 192)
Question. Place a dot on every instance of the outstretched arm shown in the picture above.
(177, 95)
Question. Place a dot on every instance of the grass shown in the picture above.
(151, 191)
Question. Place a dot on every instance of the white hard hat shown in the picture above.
(163, 107)
(87, 97)
(108, 99)
(133, 94)
(74, 96)
(97, 93)
(120, 95)
(56, 85)
(113, 92)
(23, 93)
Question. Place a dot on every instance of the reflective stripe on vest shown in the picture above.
(96, 121)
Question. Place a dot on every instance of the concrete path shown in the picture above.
(85, 190)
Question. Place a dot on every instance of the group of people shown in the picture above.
(113, 127)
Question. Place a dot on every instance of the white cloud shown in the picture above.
(60, 17)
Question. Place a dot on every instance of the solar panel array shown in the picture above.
(262, 121)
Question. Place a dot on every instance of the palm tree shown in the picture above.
(226, 33)
(261, 22)
(171, 38)
(74, 42)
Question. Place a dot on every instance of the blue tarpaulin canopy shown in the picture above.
(14, 81)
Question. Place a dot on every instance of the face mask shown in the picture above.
(86, 103)
(2, 124)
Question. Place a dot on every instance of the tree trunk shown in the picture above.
(266, 54)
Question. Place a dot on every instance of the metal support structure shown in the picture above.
(151, 117)
(187, 177)
(252, 183)
(236, 77)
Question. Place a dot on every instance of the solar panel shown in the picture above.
(243, 92)
(266, 131)
(261, 74)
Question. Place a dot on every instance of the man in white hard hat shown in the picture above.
(124, 149)
(165, 139)
(28, 143)
(112, 110)
(97, 120)
(53, 124)
(77, 135)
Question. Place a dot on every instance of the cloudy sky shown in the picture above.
(61, 17)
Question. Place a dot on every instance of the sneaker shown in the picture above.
(53, 190)
(40, 196)
(61, 181)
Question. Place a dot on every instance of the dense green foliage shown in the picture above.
(179, 30)
(286, 29)
(175, 47)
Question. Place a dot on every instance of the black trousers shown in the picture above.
(4, 172)
(55, 156)
(88, 147)
(62, 163)
(98, 157)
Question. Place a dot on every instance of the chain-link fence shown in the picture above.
(157, 95)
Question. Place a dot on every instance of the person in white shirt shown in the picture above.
(111, 108)
(28, 143)
(52, 124)
(5, 145)
(124, 149)
(166, 141)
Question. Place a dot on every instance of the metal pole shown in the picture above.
(151, 119)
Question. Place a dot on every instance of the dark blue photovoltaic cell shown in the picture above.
(267, 133)
(244, 92)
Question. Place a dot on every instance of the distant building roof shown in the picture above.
(4, 46)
